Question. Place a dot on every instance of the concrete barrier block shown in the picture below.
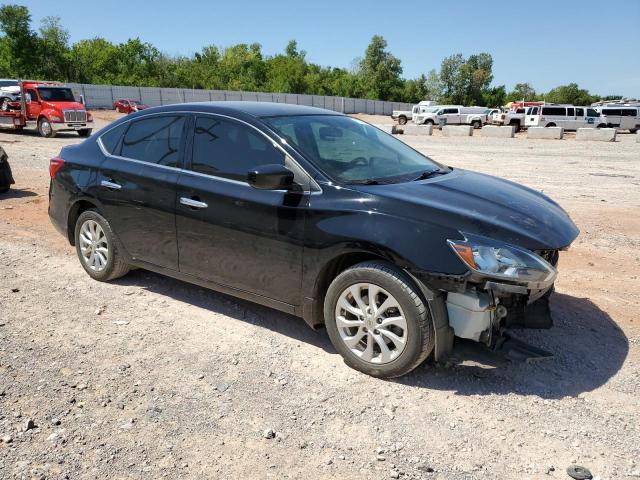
(498, 132)
(417, 129)
(550, 133)
(457, 130)
(596, 134)
(390, 129)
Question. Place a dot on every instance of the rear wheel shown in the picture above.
(429, 122)
(377, 320)
(402, 120)
(84, 133)
(476, 124)
(516, 125)
(97, 247)
(45, 129)
(550, 125)
(633, 130)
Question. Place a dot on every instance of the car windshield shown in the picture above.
(56, 94)
(8, 83)
(351, 151)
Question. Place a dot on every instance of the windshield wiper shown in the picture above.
(429, 173)
(368, 181)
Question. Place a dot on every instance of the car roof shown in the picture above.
(254, 109)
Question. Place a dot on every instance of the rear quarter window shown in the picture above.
(111, 140)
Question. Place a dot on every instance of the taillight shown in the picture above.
(55, 164)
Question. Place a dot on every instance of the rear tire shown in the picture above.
(97, 247)
(429, 122)
(550, 125)
(85, 132)
(477, 124)
(516, 125)
(402, 120)
(362, 339)
(633, 130)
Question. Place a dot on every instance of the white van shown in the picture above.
(454, 115)
(621, 116)
(568, 117)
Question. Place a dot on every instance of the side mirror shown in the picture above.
(27, 97)
(270, 177)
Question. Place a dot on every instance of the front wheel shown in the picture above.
(550, 125)
(45, 129)
(97, 248)
(429, 122)
(377, 320)
(85, 132)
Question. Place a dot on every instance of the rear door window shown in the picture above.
(229, 149)
(579, 112)
(155, 140)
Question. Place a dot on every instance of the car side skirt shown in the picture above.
(228, 290)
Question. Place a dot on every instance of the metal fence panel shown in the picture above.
(151, 96)
(103, 96)
(196, 95)
(125, 92)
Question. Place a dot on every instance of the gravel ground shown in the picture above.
(149, 377)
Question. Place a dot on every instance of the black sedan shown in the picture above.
(317, 214)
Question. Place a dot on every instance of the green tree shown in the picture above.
(495, 97)
(20, 41)
(522, 91)
(286, 73)
(54, 49)
(571, 94)
(380, 71)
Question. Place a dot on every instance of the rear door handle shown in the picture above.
(190, 202)
(110, 185)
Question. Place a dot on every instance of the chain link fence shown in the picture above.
(103, 96)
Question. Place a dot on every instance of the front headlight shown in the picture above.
(55, 118)
(503, 261)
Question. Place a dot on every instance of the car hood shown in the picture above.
(481, 204)
(64, 105)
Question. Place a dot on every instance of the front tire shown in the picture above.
(98, 249)
(45, 129)
(84, 133)
(377, 320)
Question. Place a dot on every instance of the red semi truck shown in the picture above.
(50, 107)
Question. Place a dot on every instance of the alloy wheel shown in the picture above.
(371, 323)
(45, 128)
(93, 246)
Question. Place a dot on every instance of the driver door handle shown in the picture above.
(193, 203)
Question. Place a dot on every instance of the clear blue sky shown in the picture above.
(595, 43)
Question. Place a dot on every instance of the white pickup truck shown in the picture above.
(454, 115)
(513, 118)
(402, 116)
